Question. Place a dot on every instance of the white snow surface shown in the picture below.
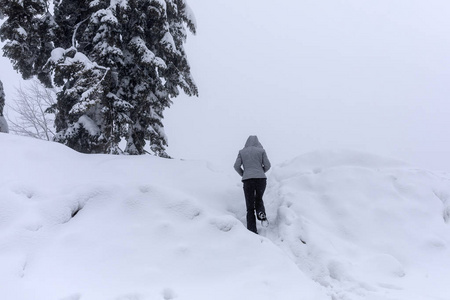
(343, 226)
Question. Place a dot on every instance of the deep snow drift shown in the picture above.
(344, 226)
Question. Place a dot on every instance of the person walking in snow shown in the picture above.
(252, 164)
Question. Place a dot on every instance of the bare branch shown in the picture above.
(29, 108)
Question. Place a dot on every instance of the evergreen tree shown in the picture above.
(118, 63)
(3, 124)
(28, 35)
(89, 111)
(151, 67)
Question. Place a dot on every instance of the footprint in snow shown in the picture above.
(186, 208)
(224, 223)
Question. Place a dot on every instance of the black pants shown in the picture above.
(253, 191)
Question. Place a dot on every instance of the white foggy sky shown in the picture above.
(306, 75)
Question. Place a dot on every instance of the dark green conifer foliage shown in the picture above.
(27, 23)
(2, 99)
(3, 124)
(119, 65)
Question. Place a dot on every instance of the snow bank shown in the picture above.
(76, 226)
(344, 226)
(374, 228)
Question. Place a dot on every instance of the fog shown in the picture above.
(306, 75)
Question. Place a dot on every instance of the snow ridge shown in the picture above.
(344, 226)
(362, 226)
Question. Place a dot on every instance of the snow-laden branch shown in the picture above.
(62, 57)
(85, 103)
(146, 55)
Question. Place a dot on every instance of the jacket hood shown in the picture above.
(253, 141)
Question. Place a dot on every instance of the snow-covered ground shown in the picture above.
(343, 226)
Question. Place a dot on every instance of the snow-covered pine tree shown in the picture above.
(138, 46)
(3, 124)
(91, 114)
(176, 73)
(119, 64)
(27, 23)
(154, 66)
(76, 102)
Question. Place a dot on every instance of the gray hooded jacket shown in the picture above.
(253, 159)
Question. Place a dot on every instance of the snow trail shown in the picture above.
(343, 226)
(361, 226)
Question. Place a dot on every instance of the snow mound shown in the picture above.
(363, 226)
(343, 226)
(316, 161)
(93, 227)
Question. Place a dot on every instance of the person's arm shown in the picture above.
(266, 162)
(238, 164)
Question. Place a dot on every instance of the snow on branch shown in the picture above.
(147, 56)
(169, 42)
(190, 18)
(62, 58)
